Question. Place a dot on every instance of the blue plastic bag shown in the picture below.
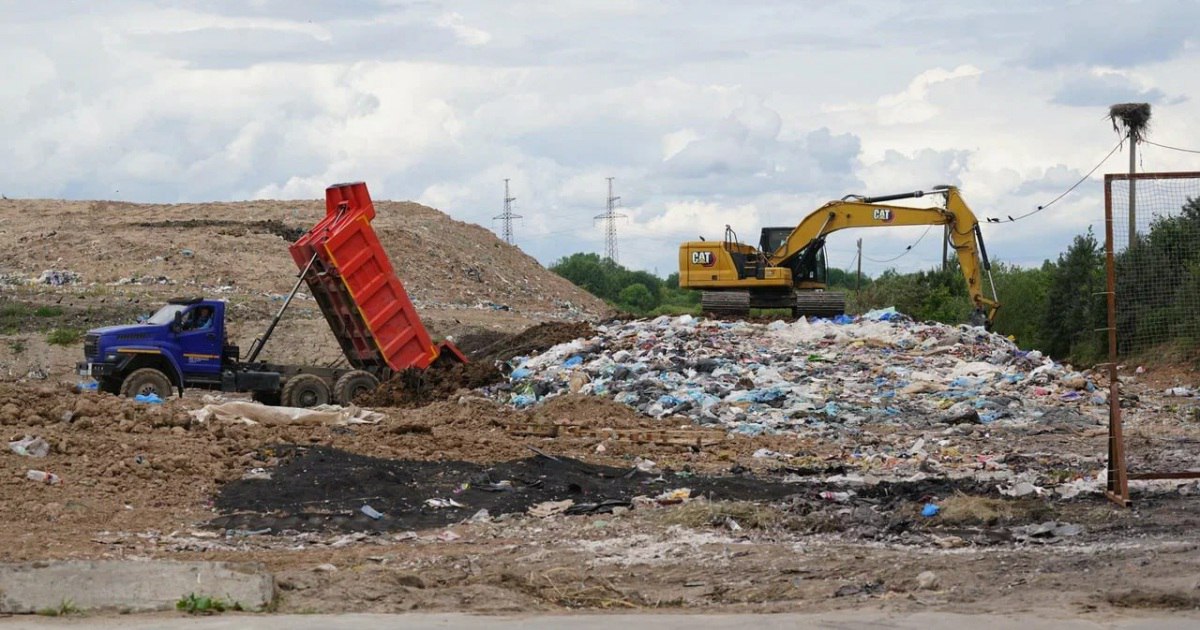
(930, 510)
(152, 399)
(574, 361)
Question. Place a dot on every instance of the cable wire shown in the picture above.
(1170, 147)
(906, 249)
(1012, 219)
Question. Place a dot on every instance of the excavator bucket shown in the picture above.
(357, 289)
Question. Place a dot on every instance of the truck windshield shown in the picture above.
(166, 314)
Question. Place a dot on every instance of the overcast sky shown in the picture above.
(707, 113)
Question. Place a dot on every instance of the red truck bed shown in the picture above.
(357, 289)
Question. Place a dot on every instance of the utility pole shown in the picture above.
(508, 215)
(1132, 187)
(610, 217)
(1131, 121)
(858, 280)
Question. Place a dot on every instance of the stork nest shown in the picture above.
(1130, 119)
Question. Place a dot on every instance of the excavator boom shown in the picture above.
(736, 276)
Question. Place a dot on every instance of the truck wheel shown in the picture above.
(146, 381)
(305, 390)
(352, 385)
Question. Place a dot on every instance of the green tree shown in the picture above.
(1074, 303)
(637, 298)
(1022, 294)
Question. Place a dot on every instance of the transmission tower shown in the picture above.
(610, 217)
(508, 215)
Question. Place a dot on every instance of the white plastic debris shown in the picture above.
(30, 447)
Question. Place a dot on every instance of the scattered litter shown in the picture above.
(251, 413)
(930, 510)
(1047, 532)
(927, 581)
(482, 516)
(371, 512)
(42, 476)
(550, 508)
(256, 473)
(679, 495)
(447, 536)
(438, 504)
(30, 447)
(1021, 489)
(57, 278)
(646, 466)
(151, 398)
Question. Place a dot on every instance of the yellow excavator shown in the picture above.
(787, 269)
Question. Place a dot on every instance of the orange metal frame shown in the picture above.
(1118, 474)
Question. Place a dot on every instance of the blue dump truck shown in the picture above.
(184, 344)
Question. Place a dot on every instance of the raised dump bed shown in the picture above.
(356, 287)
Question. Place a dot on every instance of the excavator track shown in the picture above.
(819, 304)
(725, 303)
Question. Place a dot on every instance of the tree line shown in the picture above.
(1059, 307)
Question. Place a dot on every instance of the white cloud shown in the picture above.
(705, 115)
(912, 105)
(468, 35)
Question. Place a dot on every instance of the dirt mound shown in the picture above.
(461, 278)
(232, 228)
(443, 262)
(414, 388)
(533, 340)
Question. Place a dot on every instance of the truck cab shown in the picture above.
(182, 343)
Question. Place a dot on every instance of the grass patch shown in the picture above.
(66, 607)
(965, 509)
(12, 315)
(194, 604)
(697, 514)
(47, 311)
(17, 346)
(64, 337)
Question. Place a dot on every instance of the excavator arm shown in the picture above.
(864, 212)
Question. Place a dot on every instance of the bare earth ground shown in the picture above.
(140, 482)
(144, 481)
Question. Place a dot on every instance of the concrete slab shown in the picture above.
(130, 585)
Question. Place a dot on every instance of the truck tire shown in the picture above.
(146, 381)
(305, 390)
(352, 385)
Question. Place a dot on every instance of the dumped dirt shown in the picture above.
(414, 388)
(536, 339)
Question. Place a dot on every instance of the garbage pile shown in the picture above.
(781, 377)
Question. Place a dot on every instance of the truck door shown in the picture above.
(200, 338)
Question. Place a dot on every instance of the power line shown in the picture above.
(1170, 147)
(906, 249)
(508, 215)
(1012, 219)
(610, 217)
